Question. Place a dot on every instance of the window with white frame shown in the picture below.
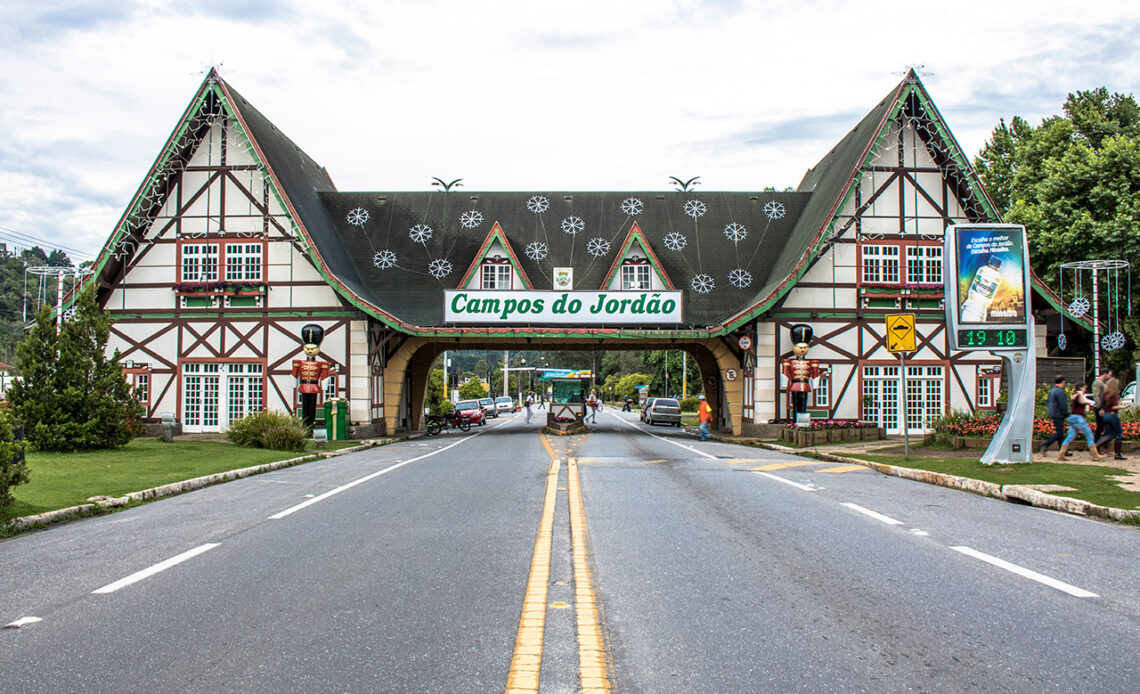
(243, 262)
(924, 264)
(142, 387)
(881, 264)
(330, 385)
(985, 392)
(496, 276)
(635, 276)
(199, 262)
(822, 391)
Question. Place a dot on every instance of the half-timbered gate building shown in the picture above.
(237, 238)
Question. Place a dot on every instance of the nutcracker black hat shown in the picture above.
(312, 334)
(801, 334)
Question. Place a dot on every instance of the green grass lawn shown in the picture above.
(1092, 483)
(60, 480)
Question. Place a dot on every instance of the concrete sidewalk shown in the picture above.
(1018, 493)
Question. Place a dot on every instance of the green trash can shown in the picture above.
(336, 419)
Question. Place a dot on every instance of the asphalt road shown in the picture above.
(631, 558)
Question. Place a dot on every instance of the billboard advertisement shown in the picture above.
(990, 275)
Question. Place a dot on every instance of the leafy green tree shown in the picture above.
(626, 386)
(1074, 182)
(434, 389)
(13, 468)
(71, 395)
(472, 389)
(662, 361)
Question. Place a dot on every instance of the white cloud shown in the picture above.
(518, 95)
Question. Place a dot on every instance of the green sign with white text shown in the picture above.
(519, 307)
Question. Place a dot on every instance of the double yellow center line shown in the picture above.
(526, 663)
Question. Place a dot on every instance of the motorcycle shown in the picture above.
(437, 423)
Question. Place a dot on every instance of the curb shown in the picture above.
(103, 504)
(1015, 493)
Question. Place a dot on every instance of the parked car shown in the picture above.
(662, 411)
(505, 404)
(1128, 395)
(489, 407)
(471, 410)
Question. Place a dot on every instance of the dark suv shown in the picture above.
(661, 411)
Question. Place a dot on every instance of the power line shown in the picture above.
(21, 238)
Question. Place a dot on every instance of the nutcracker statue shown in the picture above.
(799, 370)
(309, 372)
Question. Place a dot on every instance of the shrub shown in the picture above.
(275, 430)
(13, 469)
(689, 404)
(442, 407)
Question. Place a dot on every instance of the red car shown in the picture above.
(472, 411)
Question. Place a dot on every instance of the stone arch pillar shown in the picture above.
(410, 366)
(726, 397)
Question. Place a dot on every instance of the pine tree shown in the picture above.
(71, 395)
(13, 469)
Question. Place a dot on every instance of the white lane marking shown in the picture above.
(873, 514)
(304, 504)
(919, 533)
(662, 438)
(797, 485)
(1027, 573)
(22, 622)
(159, 567)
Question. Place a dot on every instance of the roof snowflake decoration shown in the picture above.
(695, 208)
(632, 206)
(598, 247)
(735, 232)
(384, 259)
(439, 268)
(537, 250)
(773, 209)
(357, 216)
(471, 219)
(675, 241)
(702, 283)
(1112, 341)
(420, 233)
(538, 204)
(572, 225)
(740, 278)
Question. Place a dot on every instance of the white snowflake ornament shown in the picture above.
(420, 233)
(740, 278)
(695, 208)
(598, 247)
(439, 268)
(735, 232)
(1112, 341)
(773, 209)
(384, 259)
(357, 216)
(1062, 342)
(471, 219)
(675, 241)
(1080, 306)
(572, 225)
(538, 204)
(537, 250)
(702, 283)
(632, 206)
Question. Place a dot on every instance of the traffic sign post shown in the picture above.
(901, 339)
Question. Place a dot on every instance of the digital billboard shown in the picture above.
(991, 284)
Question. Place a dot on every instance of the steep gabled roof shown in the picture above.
(496, 234)
(635, 236)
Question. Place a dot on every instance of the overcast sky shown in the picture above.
(533, 96)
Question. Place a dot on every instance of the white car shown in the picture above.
(1128, 395)
(504, 404)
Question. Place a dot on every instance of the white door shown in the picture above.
(214, 394)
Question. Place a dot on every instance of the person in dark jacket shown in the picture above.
(1058, 403)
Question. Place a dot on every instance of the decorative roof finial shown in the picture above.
(446, 186)
(685, 186)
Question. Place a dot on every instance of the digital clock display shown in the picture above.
(992, 338)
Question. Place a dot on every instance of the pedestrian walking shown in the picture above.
(529, 403)
(542, 401)
(1112, 429)
(1098, 397)
(1058, 405)
(1078, 424)
(592, 402)
(704, 414)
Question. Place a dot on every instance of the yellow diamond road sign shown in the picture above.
(900, 332)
